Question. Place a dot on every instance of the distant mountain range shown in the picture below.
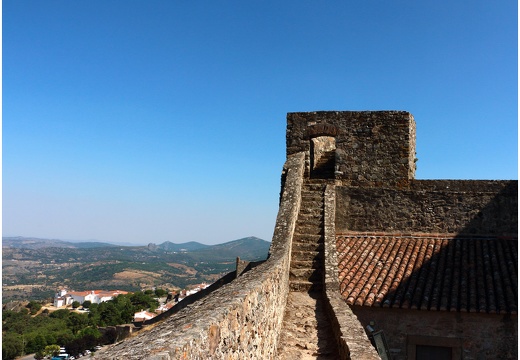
(246, 248)
(34, 267)
(187, 246)
(21, 242)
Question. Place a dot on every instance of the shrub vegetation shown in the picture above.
(23, 333)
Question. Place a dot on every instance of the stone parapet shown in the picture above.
(240, 320)
(352, 340)
(431, 206)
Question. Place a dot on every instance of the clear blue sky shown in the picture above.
(147, 121)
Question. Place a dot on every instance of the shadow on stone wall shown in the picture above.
(469, 261)
(472, 271)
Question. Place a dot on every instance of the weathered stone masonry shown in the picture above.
(431, 206)
(378, 198)
(371, 148)
(366, 162)
(351, 337)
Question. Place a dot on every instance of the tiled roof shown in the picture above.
(103, 293)
(79, 293)
(429, 272)
(143, 315)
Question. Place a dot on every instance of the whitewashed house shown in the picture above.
(143, 315)
(63, 298)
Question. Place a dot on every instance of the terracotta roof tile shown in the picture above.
(429, 271)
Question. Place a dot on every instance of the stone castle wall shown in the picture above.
(242, 319)
(431, 206)
(468, 331)
(373, 148)
(373, 169)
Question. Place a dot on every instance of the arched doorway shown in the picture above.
(322, 156)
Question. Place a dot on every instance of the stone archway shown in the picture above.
(323, 150)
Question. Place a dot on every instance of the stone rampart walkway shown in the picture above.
(306, 331)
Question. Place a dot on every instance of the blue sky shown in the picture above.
(148, 121)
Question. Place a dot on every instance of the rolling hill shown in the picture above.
(34, 268)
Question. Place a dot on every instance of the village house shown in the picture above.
(143, 316)
(194, 289)
(163, 308)
(64, 297)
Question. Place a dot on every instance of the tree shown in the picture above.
(89, 331)
(75, 346)
(64, 337)
(12, 345)
(93, 315)
(51, 350)
(76, 322)
(34, 306)
(15, 321)
(75, 304)
(109, 314)
(160, 292)
(50, 337)
(90, 341)
(126, 308)
(142, 301)
(86, 304)
(36, 342)
(60, 314)
(87, 338)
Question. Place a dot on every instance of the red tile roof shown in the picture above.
(79, 293)
(106, 293)
(429, 272)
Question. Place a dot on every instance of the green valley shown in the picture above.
(35, 268)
